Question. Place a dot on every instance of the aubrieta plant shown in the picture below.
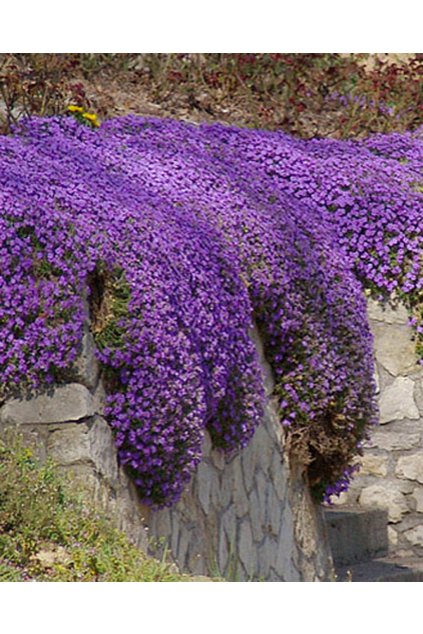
(186, 237)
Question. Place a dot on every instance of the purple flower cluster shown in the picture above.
(210, 230)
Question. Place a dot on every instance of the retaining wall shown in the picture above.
(391, 474)
(246, 518)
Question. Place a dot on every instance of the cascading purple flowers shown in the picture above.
(188, 235)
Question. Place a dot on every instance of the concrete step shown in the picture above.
(356, 534)
(383, 569)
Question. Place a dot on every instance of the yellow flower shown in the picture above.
(75, 109)
(91, 117)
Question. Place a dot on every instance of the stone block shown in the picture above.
(394, 441)
(410, 467)
(394, 348)
(273, 512)
(182, 550)
(256, 515)
(279, 476)
(418, 497)
(103, 450)
(374, 465)
(388, 496)
(207, 481)
(217, 458)
(392, 536)
(247, 549)
(240, 498)
(69, 444)
(66, 403)
(397, 401)
(388, 314)
(86, 368)
(356, 534)
(415, 536)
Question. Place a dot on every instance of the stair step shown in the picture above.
(383, 569)
(356, 534)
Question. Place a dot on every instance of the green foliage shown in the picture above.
(49, 533)
(110, 297)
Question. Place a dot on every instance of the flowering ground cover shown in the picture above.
(185, 236)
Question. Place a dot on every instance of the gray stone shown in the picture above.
(261, 488)
(377, 381)
(207, 480)
(174, 533)
(70, 444)
(387, 496)
(273, 512)
(70, 402)
(410, 467)
(161, 524)
(217, 458)
(226, 484)
(284, 565)
(196, 560)
(394, 441)
(392, 536)
(206, 446)
(394, 348)
(266, 556)
(182, 550)
(102, 450)
(223, 554)
(397, 402)
(264, 448)
(374, 465)
(246, 550)
(265, 367)
(86, 367)
(240, 498)
(418, 394)
(256, 515)
(388, 314)
(279, 475)
(415, 536)
(249, 459)
(418, 497)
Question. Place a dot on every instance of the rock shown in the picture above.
(415, 536)
(217, 458)
(418, 497)
(69, 444)
(387, 314)
(86, 367)
(70, 402)
(410, 467)
(103, 451)
(240, 498)
(256, 515)
(392, 536)
(374, 465)
(393, 441)
(387, 496)
(161, 524)
(377, 381)
(397, 402)
(207, 480)
(246, 550)
(394, 348)
(273, 512)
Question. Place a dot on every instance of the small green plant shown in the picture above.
(50, 533)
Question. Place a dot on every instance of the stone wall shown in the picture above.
(391, 474)
(248, 517)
